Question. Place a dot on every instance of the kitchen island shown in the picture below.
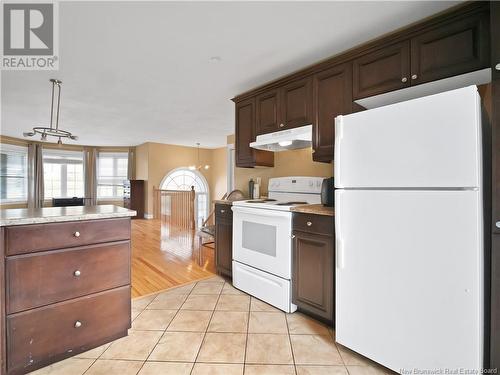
(65, 285)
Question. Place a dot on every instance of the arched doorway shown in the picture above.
(182, 179)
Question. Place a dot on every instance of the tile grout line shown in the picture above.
(165, 330)
(206, 330)
(291, 347)
(246, 341)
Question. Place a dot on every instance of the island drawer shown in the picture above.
(40, 237)
(47, 334)
(310, 223)
(38, 279)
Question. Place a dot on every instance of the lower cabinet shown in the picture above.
(223, 239)
(313, 278)
(65, 289)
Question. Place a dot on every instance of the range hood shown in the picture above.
(478, 77)
(284, 140)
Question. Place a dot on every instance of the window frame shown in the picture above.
(64, 170)
(116, 156)
(19, 149)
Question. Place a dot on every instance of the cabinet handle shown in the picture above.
(282, 125)
(77, 273)
(309, 223)
(222, 211)
(404, 79)
(76, 234)
(497, 224)
(78, 324)
(497, 66)
(293, 236)
(414, 76)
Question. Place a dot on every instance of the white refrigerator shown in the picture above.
(409, 232)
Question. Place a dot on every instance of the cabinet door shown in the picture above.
(223, 245)
(332, 96)
(296, 103)
(454, 48)
(383, 70)
(495, 129)
(244, 133)
(267, 112)
(313, 285)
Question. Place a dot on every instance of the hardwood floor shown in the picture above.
(165, 256)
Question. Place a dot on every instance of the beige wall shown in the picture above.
(286, 163)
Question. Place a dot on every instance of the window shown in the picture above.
(63, 174)
(13, 173)
(183, 179)
(112, 171)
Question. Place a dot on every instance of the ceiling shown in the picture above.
(135, 72)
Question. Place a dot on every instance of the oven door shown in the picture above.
(262, 239)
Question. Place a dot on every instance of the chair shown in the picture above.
(207, 231)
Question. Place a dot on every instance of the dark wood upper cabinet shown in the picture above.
(332, 96)
(383, 70)
(267, 112)
(457, 47)
(245, 134)
(245, 123)
(296, 104)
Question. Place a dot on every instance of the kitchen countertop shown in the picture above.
(225, 201)
(22, 216)
(315, 209)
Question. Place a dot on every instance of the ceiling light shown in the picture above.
(285, 143)
(53, 130)
(199, 166)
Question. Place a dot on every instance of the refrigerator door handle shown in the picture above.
(339, 250)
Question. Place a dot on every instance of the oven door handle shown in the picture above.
(261, 212)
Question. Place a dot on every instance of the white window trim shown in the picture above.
(64, 172)
(113, 198)
(205, 183)
(16, 148)
(231, 169)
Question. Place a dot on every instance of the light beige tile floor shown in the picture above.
(211, 328)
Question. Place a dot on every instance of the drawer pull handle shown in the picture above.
(309, 223)
(497, 224)
(414, 76)
(282, 125)
(77, 273)
(78, 324)
(404, 79)
(222, 211)
(76, 234)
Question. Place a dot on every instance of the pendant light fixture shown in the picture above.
(199, 166)
(53, 130)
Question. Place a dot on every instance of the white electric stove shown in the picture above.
(262, 239)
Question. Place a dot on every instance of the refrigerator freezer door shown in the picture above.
(429, 142)
(409, 277)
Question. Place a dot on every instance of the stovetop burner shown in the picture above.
(289, 203)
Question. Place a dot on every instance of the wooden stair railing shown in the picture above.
(177, 207)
